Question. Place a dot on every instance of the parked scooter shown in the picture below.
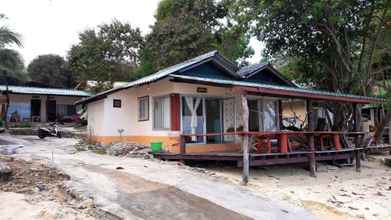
(50, 131)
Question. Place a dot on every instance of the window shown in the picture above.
(143, 108)
(65, 110)
(116, 103)
(161, 113)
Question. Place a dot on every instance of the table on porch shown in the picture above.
(264, 139)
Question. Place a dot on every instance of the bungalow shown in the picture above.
(206, 107)
(35, 104)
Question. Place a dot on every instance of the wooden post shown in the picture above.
(182, 145)
(280, 115)
(311, 139)
(389, 132)
(245, 143)
(356, 128)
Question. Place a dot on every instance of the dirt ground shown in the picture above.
(35, 191)
(336, 193)
(136, 188)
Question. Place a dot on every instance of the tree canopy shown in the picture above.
(333, 45)
(10, 60)
(186, 28)
(51, 70)
(110, 53)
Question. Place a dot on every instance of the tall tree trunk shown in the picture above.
(246, 165)
(6, 110)
(379, 127)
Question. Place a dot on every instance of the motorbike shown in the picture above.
(50, 131)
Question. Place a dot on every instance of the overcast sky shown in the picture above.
(52, 26)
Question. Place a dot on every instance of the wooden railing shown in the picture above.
(283, 138)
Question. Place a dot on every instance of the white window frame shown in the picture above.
(153, 113)
(145, 100)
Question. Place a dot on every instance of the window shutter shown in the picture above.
(175, 112)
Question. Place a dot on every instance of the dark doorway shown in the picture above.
(51, 110)
(253, 120)
(35, 110)
(213, 119)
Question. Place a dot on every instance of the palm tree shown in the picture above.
(10, 60)
(7, 37)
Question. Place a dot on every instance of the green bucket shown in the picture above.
(156, 147)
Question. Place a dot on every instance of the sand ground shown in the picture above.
(336, 193)
(135, 188)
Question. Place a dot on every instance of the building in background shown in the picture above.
(35, 104)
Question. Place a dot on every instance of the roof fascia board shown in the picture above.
(29, 93)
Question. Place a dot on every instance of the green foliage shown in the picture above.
(10, 60)
(12, 63)
(21, 125)
(51, 70)
(7, 36)
(110, 53)
(332, 43)
(185, 29)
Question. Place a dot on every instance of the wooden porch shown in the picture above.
(340, 148)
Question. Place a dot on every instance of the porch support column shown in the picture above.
(311, 138)
(175, 103)
(356, 128)
(245, 143)
(280, 115)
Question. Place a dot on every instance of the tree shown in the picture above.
(12, 63)
(9, 60)
(185, 29)
(333, 44)
(51, 70)
(110, 53)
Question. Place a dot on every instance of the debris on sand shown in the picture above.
(29, 177)
(129, 149)
(35, 191)
(9, 149)
(5, 171)
(387, 161)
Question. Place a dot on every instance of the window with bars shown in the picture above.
(161, 113)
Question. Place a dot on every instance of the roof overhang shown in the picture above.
(279, 91)
(213, 56)
(22, 90)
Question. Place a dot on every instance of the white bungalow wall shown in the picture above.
(104, 120)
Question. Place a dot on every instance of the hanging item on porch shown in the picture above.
(193, 106)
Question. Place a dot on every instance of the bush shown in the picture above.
(22, 125)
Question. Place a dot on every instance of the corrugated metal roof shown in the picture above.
(244, 72)
(247, 70)
(267, 86)
(153, 77)
(44, 91)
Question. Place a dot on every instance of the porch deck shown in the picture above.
(263, 154)
(268, 159)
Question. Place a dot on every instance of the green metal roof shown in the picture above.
(238, 80)
(44, 91)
